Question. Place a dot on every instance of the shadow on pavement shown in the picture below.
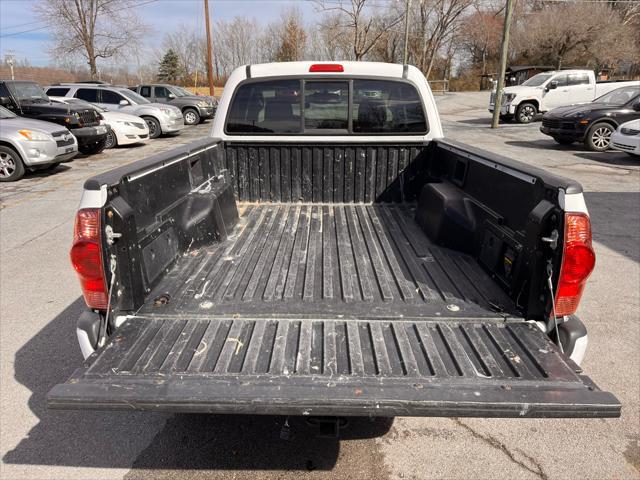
(478, 121)
(609, 157)
(615, 222)
(46, 173)
(549, 144)
(149, 440)
(230, 442)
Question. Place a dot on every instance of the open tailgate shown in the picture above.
(333, 367)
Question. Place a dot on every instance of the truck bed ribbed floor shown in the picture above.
(374, 367)
(328, 260)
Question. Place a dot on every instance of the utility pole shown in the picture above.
(10, 60)
(407, 8)
(497, 104)
(209, 53)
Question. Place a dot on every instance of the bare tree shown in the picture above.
(185, 43)
(237, 43)
(366, 28)
(292, 37)
(389, 49)
(570, 34)
(91, 29)
(330, 40)
(480, 38)
(438, 21)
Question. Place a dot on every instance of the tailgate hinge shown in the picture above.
(111, 236)
(552, 239)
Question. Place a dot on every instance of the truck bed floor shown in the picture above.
(328, 260)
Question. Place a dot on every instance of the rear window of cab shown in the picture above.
(326, 106)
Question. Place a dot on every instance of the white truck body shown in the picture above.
(548, 90)
(327, 241)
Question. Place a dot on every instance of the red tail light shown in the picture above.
(326, 67)
(86, 257)
(578, 260)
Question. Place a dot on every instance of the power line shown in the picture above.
(23, 31)
(141, 4)
(10, 27)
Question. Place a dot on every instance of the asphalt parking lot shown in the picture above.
(40, 301)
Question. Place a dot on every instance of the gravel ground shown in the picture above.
(39, 304)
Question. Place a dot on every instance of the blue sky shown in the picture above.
(21, 32)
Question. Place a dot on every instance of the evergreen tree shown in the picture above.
(293, 39)
(169, 69)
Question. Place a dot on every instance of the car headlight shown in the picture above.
(35, 135)
(508, 97)
(123, 122)
(166, 111)
(629, 131)
(202, 104)
(577, 115)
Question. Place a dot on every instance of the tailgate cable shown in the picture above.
(553, 302)
(102, 338)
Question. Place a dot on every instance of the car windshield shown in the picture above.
(133, 96)
(537, 80)
(28, 91)
(178, 92)
(4, 113)
(619, 96)
(184, 92)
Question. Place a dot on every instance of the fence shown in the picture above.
(439, 87)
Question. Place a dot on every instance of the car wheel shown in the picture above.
(11, 166)
(598, 137)
(155, 130)
(93, 148)
(111, 141)
(526, 113)
(191, 117)
(563, 141)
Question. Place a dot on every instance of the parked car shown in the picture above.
(27, 144)
(627, 138)
(27, 99)
(593, 123)
(195, 109)
(126, 129)
(329, 254)
(548, 90)
(161, 118)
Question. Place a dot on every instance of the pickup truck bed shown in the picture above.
(306, 293)
(319, 260)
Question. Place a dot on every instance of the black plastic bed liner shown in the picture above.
(328, 260)
(333, 367)
(331, 310)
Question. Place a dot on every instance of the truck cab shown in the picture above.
(195, 108)
(327, 252)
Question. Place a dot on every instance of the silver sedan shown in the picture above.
(27, 144)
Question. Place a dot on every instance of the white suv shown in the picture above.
(160, 118)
